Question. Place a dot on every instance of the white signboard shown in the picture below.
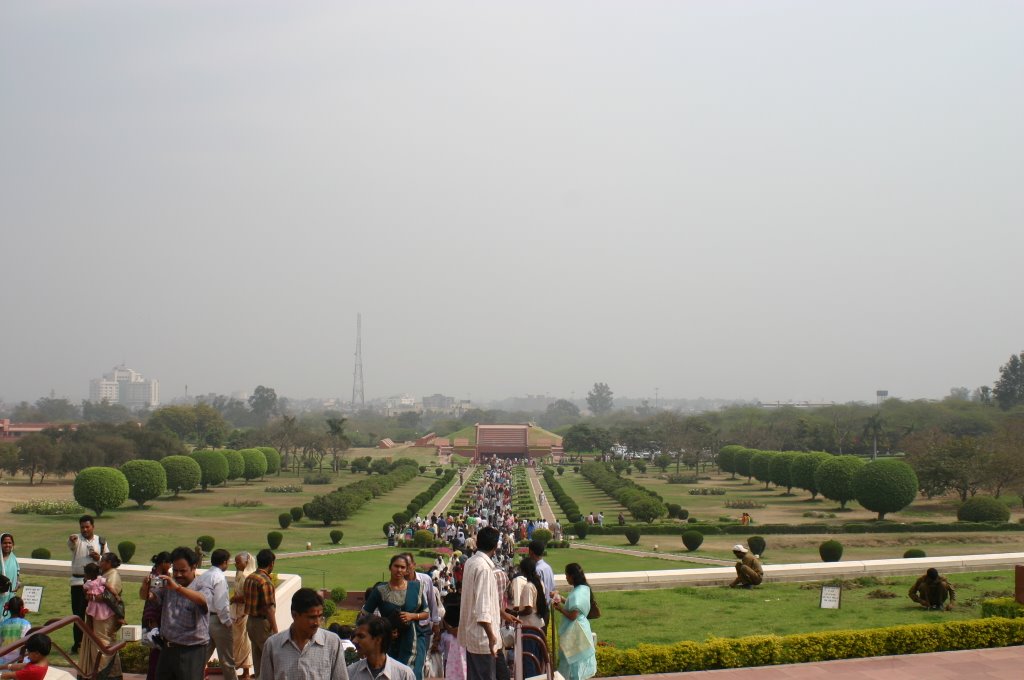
(831, 597)
(32, 597)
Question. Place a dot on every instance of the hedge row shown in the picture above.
(422, 498)
(340, 504)
(1006, 607)
(642, 503)
(775, 529)
(564, 500)
(764, 650)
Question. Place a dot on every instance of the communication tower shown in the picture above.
(357, 372)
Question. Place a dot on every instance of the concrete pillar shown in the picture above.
(1019, 582)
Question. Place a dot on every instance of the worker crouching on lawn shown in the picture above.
(748, 570)
(931, 591)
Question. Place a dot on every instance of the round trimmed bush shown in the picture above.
(831, 551)
(982, 509)
(296, 513)
(560, 470)
(914, 553)
(338, 594)
(834, 478)
(336, 536)
(236, 464)
(147, 480)
(40, 554)
(633, 535)
(400, 518)
(542, 535)
(213, 465)
(673, 509)
(580, 528)
(438, 471)
(273, 459)
(285, 520)
(126, 551)
(423, 538)
(183, 473)
(254, 464)
(757, 544)
(206, 543)
(274, 539)
(330, 607)
(692, 539)
(886, 485)
(101, 488)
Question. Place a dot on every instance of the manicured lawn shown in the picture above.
(665, 616)
(587, 496)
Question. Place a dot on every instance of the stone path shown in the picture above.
(332, 551)
(661, 556)
(442, 505)
(545, 507)
(1004, 663)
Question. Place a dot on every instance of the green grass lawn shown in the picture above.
(587, 496)
(781, 609)
(533, 437)
(167, 522)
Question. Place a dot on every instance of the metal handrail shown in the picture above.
(56, 624)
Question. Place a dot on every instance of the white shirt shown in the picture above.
(480, 604)
(220, 605)
(80, 555)
(547, 578)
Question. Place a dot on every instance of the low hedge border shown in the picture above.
(766, 650)
(1006, 607)
(775, 529)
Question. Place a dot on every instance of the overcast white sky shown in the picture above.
(783, 200)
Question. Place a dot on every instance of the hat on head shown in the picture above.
(739, 548)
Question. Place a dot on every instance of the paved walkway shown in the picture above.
(446, 500)
(1005, 663)
(545, 507)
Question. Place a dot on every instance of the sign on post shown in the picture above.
(831, 597)
(32, 596)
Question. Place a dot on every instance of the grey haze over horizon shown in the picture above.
(788, 200)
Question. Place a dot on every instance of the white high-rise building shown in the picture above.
(125, 387)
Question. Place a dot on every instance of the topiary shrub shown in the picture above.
(542, 535)
(438, 471)
(560, 470)
(213, 466)
(236, 464)
(633, 535)
(183, 473)
(254, 464)
(757, 544)
(274, 538)
(575, 468)
(147, 480)
(834, 478)
(886, 485)
(296, 513)
(126, 551)
(101, 488)
(831, 551)
(273, 459)
(330, 607)
(338, 594)
(423, 539)
(914, 553)
(206, 543)
(580, 528)
(40, 554)
(673, 510)
(977, 509)
(400, 518)
(285, 520)
(336, 536)
(692, 539)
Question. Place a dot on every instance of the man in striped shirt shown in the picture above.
(305, 650)
(481, 613)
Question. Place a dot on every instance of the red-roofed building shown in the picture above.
(9, 430)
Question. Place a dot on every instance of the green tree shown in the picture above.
(8, 458)
(178, 420)
(600, 399)
(213, 465)
(559, 413)
(743, 458)
(263, 403)
(885, 486)
(255, 464)
(1009, 388)
(337, 440)
(273, 459)
(582, 438)
(727, 459)
(874, 429)
(100, 489)
(183, 473)
(802, 468)
(943, 461)
(105, 412)
(147, 480)
(781, 467)
(236, 464)
(835, 478)
(37, 455)
(761, 466)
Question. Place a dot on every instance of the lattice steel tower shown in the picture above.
(357, 372)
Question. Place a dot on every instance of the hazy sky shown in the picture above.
(783, 200)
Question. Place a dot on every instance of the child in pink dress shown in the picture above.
(94, 586)
(453, 651)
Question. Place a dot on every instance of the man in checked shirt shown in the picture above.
(305, 651)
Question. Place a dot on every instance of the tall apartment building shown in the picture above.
(125, 387)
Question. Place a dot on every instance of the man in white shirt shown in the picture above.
(86, 547)
(221, 637)
(481, 613)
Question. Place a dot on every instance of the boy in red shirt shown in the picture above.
(37, 649)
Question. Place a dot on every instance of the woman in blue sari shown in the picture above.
(401, 602)
(9, 568)
(577, 659)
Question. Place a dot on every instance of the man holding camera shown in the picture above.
(86, 547)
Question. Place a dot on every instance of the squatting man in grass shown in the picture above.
(748, 570)
(931, 591)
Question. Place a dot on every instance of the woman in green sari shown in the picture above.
(577, 659)
(402, 602)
